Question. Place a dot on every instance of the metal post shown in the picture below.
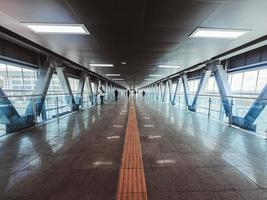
(57, 107)
(209, 107)
(35, 111)
(231, 112)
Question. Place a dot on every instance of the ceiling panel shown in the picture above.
(144, 33)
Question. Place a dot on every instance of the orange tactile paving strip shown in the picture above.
(132, 184)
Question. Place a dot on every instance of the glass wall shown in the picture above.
(18, 81)
(246, 83)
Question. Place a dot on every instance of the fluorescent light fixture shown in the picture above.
(169, 66)
(155, 75)
(101, 65)
(217, 33)
(112, 74)
(57, 28)
(118, 79)
(123, 63)
(149, 79)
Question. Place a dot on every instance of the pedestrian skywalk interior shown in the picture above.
(133, 100)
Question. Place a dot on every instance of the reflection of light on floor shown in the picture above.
(154, 137)
(102, 163)
(17, 177)
(56, 147)
(165, 161)
(246, 171)
(113, 137)
(149, 125)
(146, 118)
(117, 126)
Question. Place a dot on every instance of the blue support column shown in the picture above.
(10, 117)
(186, 89)
(170, 89)
(201, 87)
(157, 91)
(253, 113)
(79, 96)
(224, 88)
(97, 86)
(89, 85)
(164, 85)
(175, 91)
(41, 87)
(62, 75)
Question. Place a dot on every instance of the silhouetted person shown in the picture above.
(134, 92)
(144, 93)
(116, 94)
(102, 95)
(128, 93)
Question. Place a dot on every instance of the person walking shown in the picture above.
(116, 94)
(128, 94)
(144, 93)
(102, 95)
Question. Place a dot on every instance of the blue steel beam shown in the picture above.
(175, 91)
(186, 89)
(89, 86)
(157, 91)
(63, 78)
(79, 95)
(170, 89)
(253, 113)
(223, 87)
(10, 117)
(201, 87)
(8, 112)
(164, 85)
(41, 88)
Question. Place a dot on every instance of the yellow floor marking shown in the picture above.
(132, 184)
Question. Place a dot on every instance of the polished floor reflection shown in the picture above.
(75, 157)
(186, 156)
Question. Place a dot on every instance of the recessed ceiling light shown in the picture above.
(112, 74)
(57, 28)
(123, 63)
(155, 75)
(101, 65)
(217, 33)
(118, 79)
(169, 66)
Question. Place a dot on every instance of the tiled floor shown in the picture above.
(77, 157)
(185, 156)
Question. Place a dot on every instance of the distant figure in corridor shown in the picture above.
(102, 95)
(116, 94)
(128, 94)
(144, 93)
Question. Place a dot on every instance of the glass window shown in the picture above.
(3, 77)
(74, 84)
(250, 81)
(262, 79)
(236, 83)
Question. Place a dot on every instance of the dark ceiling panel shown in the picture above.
(144, 33)
(177, 14)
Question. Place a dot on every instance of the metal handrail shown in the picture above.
(232, 96)
(40, 95)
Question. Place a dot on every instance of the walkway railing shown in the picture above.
(211, 106)
(54, 106)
